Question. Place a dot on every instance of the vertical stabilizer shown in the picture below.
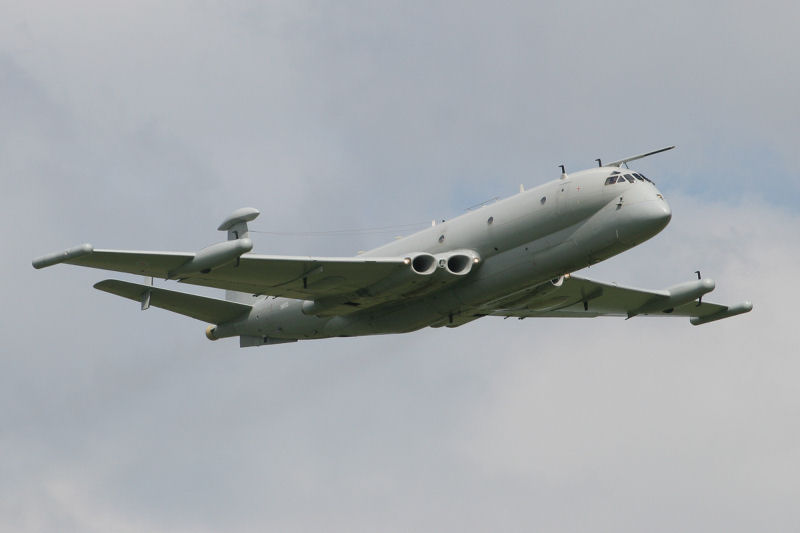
(236, 226)
(236, 223)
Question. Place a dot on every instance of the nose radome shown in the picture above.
(643, 220)
(655, 215)
(663, 213)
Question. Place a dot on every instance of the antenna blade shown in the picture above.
(635, 157)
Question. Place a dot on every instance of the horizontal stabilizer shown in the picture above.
(202, 308)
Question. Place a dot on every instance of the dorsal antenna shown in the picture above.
(635, 157)
(599, 164)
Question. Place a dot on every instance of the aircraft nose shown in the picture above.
(661, 213)
(643, 220)
(654, 216)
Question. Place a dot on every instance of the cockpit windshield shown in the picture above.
(632, 177)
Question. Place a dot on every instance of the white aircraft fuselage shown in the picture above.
(490, 256)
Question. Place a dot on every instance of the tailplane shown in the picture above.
(202, 308)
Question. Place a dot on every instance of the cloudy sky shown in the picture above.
(141, 125)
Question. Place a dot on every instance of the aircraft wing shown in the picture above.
(579, 297)
(309, 278)
(306, 278)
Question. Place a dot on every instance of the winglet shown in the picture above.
(59, 257)
(635, 157)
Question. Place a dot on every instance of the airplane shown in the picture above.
(511, 258)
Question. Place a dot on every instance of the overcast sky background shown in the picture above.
(142, 125)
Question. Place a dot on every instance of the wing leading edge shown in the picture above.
(584, 298)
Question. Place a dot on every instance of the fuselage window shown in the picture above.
(611, 180)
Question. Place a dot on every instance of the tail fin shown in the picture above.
(236, 226)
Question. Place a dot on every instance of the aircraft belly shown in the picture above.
(525, 266)
(281, 318)
(511, 271)
(389, 319)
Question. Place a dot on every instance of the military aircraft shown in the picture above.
(511, 258)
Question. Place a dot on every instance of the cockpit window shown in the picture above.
(618, 177)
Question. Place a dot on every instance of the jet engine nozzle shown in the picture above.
(458, 263)
(423, 264)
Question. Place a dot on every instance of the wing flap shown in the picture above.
(199, 307)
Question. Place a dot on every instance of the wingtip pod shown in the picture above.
(60, 257)
(744, 307)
